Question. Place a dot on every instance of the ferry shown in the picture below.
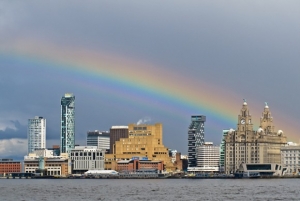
(247, 175)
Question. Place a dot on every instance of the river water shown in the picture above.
(149, 189)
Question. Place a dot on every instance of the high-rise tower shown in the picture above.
(36, 134)
(116, 133)
(67, 123)
(195, 137)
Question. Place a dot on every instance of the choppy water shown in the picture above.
(149, 189)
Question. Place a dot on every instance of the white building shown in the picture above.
(86, 158)
(101, 139)
(36, 134)
(290, 157)
(208, 157)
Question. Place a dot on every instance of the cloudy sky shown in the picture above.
(160, 61)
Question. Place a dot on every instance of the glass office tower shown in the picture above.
(67, 123)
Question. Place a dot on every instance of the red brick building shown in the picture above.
(9, 166)
(134, 165)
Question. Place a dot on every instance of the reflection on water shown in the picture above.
(148, 189)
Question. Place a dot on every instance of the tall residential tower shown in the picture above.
(36, 134)
(67, 123)
(195, 137)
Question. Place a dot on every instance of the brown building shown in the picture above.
(246, 145)
(143, 141)
(9, 166)
(116, 133)
(134, 165)
(178, 162)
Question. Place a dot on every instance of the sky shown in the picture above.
(150, 61)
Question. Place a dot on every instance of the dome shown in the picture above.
(230, 131)
(260, 130)
(266, 105)
(280, 132)
(245, 103)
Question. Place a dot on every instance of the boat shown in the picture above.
(247, 175)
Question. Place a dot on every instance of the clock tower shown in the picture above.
(244, 145)
(244, 119)
(266, 120)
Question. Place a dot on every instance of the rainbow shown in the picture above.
(140, 83)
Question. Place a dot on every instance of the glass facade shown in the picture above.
(195, 137)
(222, 151)
(67, 123)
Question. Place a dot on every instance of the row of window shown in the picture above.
(85, 153)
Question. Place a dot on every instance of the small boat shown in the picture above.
(247, 175)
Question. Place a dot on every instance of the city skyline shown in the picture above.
(136, 60)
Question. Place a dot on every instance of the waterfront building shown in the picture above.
(290, 158)
(9, 166)
(143, 141)
(36, 133)
(100, 139)
(208, 157)
(195, 137)
(245, 145)
(137, 163)
(43, 160)
(67, 123)
(264, 169)
(86, 158)
(116, 133)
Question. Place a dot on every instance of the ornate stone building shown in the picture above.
(245, 145)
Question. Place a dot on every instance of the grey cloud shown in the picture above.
(248, 47)
(19, 132)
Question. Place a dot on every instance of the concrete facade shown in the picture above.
(208, 157)
(86, 158)
(36, 133)
(143, 141)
